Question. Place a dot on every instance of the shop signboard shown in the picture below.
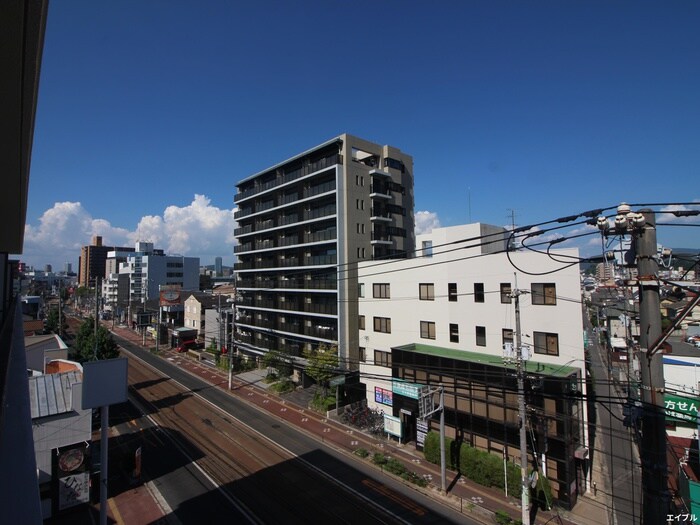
(406, 389)
(71, 468)
(421, 432)
(681, 408)
(392, 426)
(383, 396)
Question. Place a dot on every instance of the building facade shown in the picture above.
(93, 261)
(147, 269)
(447, 317)
(303, 225)
(195, 306)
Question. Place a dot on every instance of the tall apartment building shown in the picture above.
(303, 225)
(93, 261)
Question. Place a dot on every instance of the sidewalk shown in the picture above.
(462, 495)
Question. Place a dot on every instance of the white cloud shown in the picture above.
(426, 221)
(675, 214)
(198, 230)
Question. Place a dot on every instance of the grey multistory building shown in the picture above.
(303, 225)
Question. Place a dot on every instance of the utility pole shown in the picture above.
(219, 324)
(60, 310)
(656, 498)
(525, 486)
(160, 309)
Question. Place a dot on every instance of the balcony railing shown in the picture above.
(320, 259)
(243, 248)
(319, 212)
(326, 162)
(288, 241)
(324, 235)
(242, 213)
(243, 230)
(321, 188)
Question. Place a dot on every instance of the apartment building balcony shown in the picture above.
(380, 173)
(318, 189)
(243, 248)
(320, 331)
(288, 284)
(243, 230)
(380, 214)
(381, 239)
(282, 178)
(321, 260)
(287, 241)
(380, 191)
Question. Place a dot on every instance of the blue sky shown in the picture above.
(150, 112)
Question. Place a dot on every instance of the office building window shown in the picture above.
(382, 358)
(360, 289)
(426, 291)
(545, 343)
(506, 290)
(544, 293)
(363, 354)
(454, 333)
(478, 292)
(361, 322)
(427, 247)
(507, 335)
(381, 291)
(427, 330)
(480, 336)
(452, 292)
(382, 324)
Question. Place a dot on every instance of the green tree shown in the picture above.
(52, 322)
(322, 364)
(88, 346)
(279, 361)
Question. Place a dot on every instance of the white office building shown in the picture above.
(445, 317)
(147, 269)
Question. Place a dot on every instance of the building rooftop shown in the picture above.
(50, 394)
(533, 367)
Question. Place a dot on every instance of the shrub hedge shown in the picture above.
(477, 465)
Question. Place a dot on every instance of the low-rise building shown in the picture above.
(62, 432)
(195, 306)
(446, 316)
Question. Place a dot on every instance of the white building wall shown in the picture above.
(457, 263)
(155, 271)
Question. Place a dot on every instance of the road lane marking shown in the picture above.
(308, 464)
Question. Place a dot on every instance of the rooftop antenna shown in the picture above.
(512, 218)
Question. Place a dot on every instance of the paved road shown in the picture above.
(613, 447)
(270, 472)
